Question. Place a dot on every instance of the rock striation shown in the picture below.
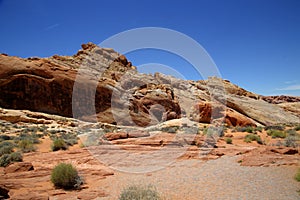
(99, 84)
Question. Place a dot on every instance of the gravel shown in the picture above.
(222, 179)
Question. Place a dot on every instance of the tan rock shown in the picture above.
(19, 167)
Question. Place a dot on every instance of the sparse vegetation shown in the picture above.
(26, 146)
(140, 193)
(170, 129)
(59, 144)
(292, 139)
(297, 176)
(5, 137)
(6, 159)
(228, 140)
(297, 128)
(213, 131)
(25, 135)
(277, 127)
(6, 148)
(276, 133)
(65, 176)
(253, 137)
(248, 129)
(259, 129)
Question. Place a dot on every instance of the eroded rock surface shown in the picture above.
(99, 84)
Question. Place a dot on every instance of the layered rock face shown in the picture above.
(99, 84)
(281, 99)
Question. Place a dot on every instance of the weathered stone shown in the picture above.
(19, 167)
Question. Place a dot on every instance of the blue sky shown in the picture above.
(254, 43)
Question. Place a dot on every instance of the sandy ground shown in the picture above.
(223, 178)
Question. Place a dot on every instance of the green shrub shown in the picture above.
(26, 146)
(276, 133)
(16, 157)
(253, 137)
(6, 159)
(291, 132)
(170, 129)
(297, 176)
(65, 176)
(228, 140)
(6, 148)
(259, 128)
(33, 137)
(297, 128)
(69, 138)
(139, 193)
(248, 129)
(292, 139)
(59, 144)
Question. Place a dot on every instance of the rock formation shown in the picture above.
(99, 84)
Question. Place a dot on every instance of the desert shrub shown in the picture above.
(276, 133)
(43, 128)
(170, 129)
(69, 138)
(205, 129)
(33, 137)
(291, 132)
(6, 148)
(5, 137)
(248, 129)
(53, 131)
(190, 129)
(253, 137)
(16, 157)
(65, 176)
(297, 176)
(259, 128)
(139, 193)
(228, 140)
(26, 146)
(6, 159)
(292, 139)
(59, 144)
(214, 131)
(6, 143)
(297, 128)
(277, 127)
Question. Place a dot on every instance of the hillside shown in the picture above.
(98, 84)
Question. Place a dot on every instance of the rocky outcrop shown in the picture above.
(260, 111)
(293, 107)
(280, 99)
(99, 84)
(19, 167)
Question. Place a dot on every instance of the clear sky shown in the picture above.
(254, 43)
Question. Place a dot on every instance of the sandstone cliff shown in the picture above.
(99, 84)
